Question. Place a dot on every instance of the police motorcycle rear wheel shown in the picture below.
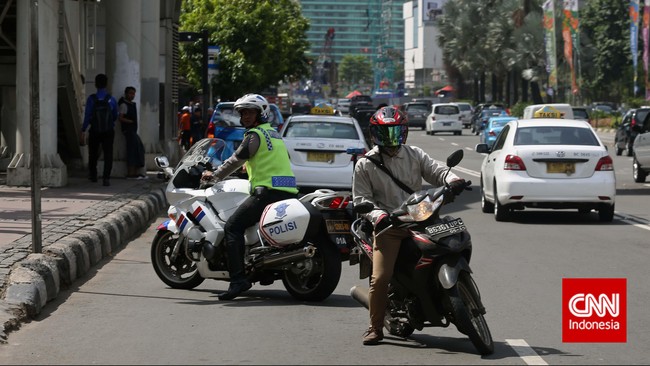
(180, 273)
(315, 278)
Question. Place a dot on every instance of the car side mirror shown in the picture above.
(161, 161)
(482, 148)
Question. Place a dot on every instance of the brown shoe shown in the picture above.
(372, 336)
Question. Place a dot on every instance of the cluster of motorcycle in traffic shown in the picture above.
(303, 242)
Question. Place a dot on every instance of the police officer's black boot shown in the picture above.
(238, 281)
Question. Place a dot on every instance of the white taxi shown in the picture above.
(547, 163)
(318, 143)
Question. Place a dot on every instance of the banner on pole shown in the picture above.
(549, 40)
(570, 34)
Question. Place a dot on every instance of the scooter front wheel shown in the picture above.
(468, 313)
(179, 273)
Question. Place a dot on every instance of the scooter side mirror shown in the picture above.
(455, 158)
(161, 161)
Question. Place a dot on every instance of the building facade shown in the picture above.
(372, 28)
(50, 52)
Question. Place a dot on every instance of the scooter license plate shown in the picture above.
(446, 228)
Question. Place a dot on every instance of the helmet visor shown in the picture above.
(390, 135)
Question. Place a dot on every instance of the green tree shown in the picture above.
(605, 32)
(354, 69)
(262, 43)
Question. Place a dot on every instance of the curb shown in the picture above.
(38, 278)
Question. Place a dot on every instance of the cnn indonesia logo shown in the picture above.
(594, 310)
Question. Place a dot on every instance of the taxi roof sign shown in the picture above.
(322, 109)
(548, 112)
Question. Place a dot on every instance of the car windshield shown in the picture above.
(580, 113)
(555, 135)
(417, 108)
(446, 109)
(321, 130)
(641, 114)
(498, 123)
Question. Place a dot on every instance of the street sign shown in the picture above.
(213, 60)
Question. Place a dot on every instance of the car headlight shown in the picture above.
(424, 209)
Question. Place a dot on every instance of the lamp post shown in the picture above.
(193, 37)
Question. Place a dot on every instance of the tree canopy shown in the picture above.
(355, 69)
(262, 43)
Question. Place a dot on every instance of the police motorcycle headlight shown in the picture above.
(422, 210)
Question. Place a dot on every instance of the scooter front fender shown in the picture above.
(168, 225)
(450, 269)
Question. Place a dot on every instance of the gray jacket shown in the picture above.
(410, 165)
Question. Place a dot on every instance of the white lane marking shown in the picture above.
(526, 353)
(469, 148)
(631, 221)
(467, 171)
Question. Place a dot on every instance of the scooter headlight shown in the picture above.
(424, 209)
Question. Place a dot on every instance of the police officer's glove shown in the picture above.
(382, 222)
(457, 186)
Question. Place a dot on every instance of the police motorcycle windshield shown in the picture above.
(207, 153)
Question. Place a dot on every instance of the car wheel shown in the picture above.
(501, 213)
(458, 133)
(637, 173)
(486, 206)
(584, 210)
(606, 213)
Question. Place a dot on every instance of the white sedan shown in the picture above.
(318, 145)
(547, 163)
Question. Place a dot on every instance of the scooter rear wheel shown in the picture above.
(468, 315)
(180, 273)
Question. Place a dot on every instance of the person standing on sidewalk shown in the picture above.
(129, 121)
(100, 116)
(184, 127)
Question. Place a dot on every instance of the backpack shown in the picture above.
(102, 117)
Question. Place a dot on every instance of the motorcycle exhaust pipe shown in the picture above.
(360, 294)
(306, 252)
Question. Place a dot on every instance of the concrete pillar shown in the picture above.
(53, 173)
(123, 60)
(149, 95)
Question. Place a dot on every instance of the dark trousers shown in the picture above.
(244, 217)
(132, 157)
(185, 139)
(105, 141)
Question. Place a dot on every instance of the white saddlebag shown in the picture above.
(285, 222)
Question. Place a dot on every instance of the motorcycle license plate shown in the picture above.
(446, 228)
(337, 226)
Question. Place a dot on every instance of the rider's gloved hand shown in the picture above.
(382, 222)
(457, 186)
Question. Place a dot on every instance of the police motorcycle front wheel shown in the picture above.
(177, 271)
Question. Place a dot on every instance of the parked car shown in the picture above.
(444, 117)
(492, 129)
(300, 105)
(481, 120)
(641, 150)
(317, 146)
(626, 133)
(547, 163)
(465, 113)
(417, 113)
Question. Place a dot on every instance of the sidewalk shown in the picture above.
(81, 224)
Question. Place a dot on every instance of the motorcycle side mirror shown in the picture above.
(455, 158)
(363, 207)
(161, 161)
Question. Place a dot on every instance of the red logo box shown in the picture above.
(594, 310)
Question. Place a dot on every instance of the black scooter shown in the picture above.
(432, 284)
